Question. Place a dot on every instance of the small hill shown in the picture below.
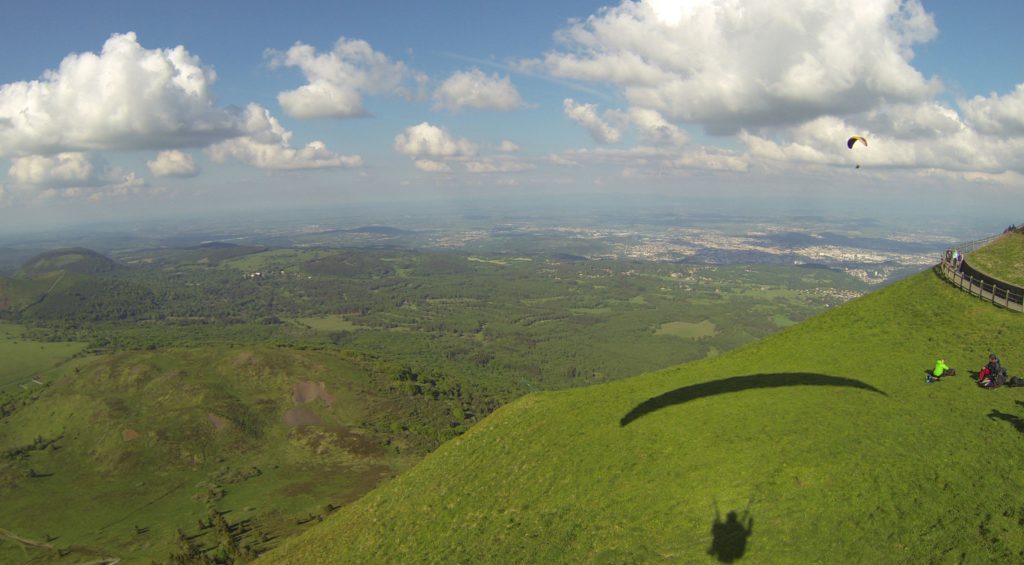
(73, 284)
(821, 443)
(57, 282)
(77, 260)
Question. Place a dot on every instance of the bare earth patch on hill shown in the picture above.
(301, 417)
(308, 391)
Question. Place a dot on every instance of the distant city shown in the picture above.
(866, 249)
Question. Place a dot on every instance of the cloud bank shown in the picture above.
(731, 65)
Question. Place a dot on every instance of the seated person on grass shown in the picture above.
(993, 374)
(941, 370)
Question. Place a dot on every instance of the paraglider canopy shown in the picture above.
(855, 139)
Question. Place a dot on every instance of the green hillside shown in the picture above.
(1003, 258)
(141, 444)
(823, 439)
(72, 260)
(18, 293)
(55, 281)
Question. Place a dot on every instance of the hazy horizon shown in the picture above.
(114, 112)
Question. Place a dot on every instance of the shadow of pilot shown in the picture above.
(729, 538)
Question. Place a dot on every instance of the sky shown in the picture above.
(113, 110)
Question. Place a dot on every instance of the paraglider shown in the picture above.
(853, 140)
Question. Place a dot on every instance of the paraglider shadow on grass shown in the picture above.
(739, 384)
(729, 537)
(1016, 421)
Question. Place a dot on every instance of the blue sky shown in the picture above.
(114, 109)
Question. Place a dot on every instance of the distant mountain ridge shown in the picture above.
(381, 230)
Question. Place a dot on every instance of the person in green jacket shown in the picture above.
(941, 370)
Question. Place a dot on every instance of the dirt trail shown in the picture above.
(25, 541)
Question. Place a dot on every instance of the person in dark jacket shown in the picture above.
(993, 374)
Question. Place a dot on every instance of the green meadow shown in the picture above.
(22, 358)
(687, 330)
(333, 323)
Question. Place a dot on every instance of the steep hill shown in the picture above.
(822, 443)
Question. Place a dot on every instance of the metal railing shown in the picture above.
(980, 284)
(965, 247)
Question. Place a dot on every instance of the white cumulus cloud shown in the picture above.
(507, 146)
(125, 97)
(66, 170)
(432, 166)
(655, 129)
(72, 175)
(338, 79)
(586, 116)
(173, 163)
(474, 89)
(732, 65)
(427, 140)
(267, 145)
(997, 114)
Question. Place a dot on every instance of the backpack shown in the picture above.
(999, 379)
(1015, 381)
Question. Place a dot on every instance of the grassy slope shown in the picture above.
(827, 473)
(1003, 259)
(98, 485)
